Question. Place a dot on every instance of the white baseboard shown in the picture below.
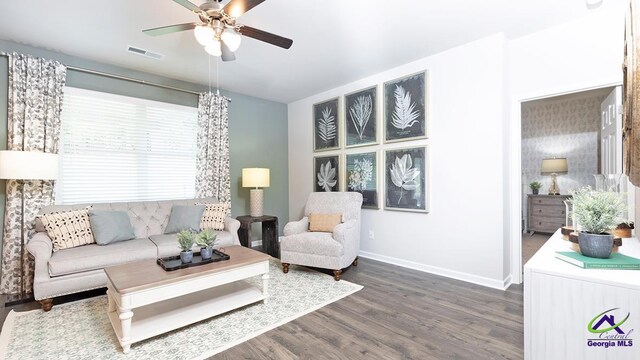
(475, 279)
(255, 243)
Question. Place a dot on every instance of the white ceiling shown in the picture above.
(335, 41)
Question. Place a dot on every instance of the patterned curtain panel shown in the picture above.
(34, 105)
(212, 165)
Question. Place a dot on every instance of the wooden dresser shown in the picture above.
(546, 213)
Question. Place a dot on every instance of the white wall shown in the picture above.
(473, 230)
(462, 236)
(580, 55)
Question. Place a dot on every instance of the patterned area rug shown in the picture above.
(81, 330)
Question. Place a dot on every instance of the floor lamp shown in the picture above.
(22, 166)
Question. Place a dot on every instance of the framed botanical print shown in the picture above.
(362, 176)
(326, 129)
(361, 117)
(405, 108)
(326, 171)
(405, 179)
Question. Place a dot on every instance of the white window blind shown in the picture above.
(120, 148)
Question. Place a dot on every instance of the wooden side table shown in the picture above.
(270, 243)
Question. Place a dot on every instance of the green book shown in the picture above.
(615, 262)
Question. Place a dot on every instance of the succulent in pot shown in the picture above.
(597, 212)
(186, 239)
(205, 240)
(535, 187)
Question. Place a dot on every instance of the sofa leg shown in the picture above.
(285, 268)
(47, 304)
(355, 261)
(336, 274)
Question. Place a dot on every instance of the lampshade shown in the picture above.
(255, 177)
(554, 166)
(214, 48)
(232, 39)
(204, 34)
(28, 165)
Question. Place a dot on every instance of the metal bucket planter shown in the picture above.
(595, 245)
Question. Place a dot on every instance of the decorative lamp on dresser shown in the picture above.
(546, 213)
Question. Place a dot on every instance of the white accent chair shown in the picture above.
(328, 250)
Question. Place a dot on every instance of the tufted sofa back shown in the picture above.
(147, 217)
(347, 203)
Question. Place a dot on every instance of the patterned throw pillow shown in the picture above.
(324, 222)
(68, 229)
(213, 217)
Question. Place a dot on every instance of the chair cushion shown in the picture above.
(93, 257)
(324, 222)
(317, 243)
(110, 226)
(184, 218)
(68, 229)
(213, 216)
(167, 244)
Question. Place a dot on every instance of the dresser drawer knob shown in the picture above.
(539, 223)
(539, 210)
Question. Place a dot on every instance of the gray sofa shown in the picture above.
(81, 268)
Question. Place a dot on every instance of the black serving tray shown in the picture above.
(172, 263)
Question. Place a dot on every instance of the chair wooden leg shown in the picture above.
(47, 304)
(336, 274)
(355, 261)
(285, 268)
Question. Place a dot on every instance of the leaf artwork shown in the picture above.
(404, 114)
(360, 112)
(327, 176)
(361, 174)
(327, 126)
(402, 175)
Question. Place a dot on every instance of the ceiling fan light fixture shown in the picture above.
(204, 34)
(214, 48)
(231, 38)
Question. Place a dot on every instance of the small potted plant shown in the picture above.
(597, 212)
(186, 238)
(205, 240)
(624, 229)
(535, 187)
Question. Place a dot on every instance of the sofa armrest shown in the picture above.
(40, 247)
(343, 231)
(232, 225)
(296, 227)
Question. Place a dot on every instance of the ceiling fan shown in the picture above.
(218, 30)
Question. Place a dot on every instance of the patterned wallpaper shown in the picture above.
(565, 127)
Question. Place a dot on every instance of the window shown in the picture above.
(120, 148)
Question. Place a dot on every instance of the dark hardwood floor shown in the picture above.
(400, 314)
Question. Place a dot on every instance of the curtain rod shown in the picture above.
(125, 78)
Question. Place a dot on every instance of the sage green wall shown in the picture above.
(257, 127)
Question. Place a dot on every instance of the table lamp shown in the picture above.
(554, 167)
(256, 178)
(27, 165)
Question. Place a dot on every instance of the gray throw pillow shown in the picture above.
(110, 226)
(184, 217)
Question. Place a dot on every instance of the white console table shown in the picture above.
(561, 299)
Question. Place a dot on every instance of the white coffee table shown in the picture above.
(146, 301)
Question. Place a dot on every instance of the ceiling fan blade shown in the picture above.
(227, 54)
(267, 37)
(189, 5)
(169, 29)
(236, 8)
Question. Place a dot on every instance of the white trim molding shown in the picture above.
(474, 279)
